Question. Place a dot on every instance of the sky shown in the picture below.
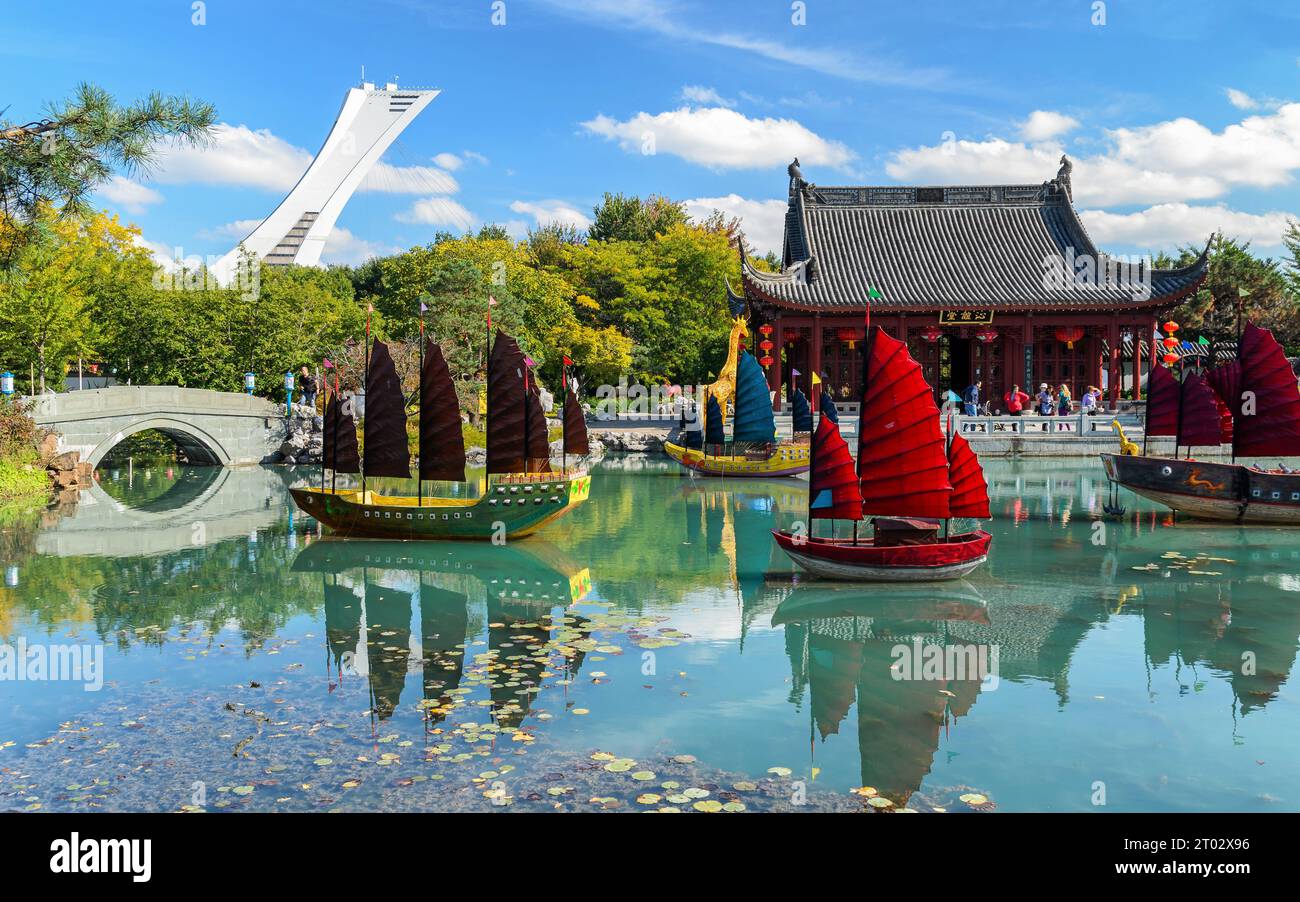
(1181, 118)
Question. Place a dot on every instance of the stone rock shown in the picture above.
(629, 440)
(476, 455)
(66, 461)
(48, 445)
(547, 399)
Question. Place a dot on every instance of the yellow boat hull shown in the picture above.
(786, 459)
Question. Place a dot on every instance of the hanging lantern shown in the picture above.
(765, 329)
(1170, 359)
(1170, 342)
(791, 336)
(931, 334)
(987, 335)
(766, 345)
(1171, 327)
(849, 334)
(1069, 335)
(765, 361)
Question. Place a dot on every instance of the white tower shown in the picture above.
(368, 122)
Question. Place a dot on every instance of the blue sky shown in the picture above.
(1181, 117)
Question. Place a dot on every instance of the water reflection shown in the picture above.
(371, 589)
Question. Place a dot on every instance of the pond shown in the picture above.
(653, 650)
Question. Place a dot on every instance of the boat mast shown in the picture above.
(365, 383)
(419, 464)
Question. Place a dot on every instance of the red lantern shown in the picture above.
(987, 335)
(765, 361)
(1171, 327)
(1069, 335)
(1170, 359)
(766, 345)
(765, 329)
(1170, 342)
(791, 336)
(847, 333)
(931, 334)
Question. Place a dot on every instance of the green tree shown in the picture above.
(622, 217)
(60, 159)
(1237, 280)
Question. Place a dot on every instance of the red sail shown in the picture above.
(970, 491)
(384, 426)
(442, 444)
(1199, 420)
(339, 449)
(901, 459)
(1225, 379)
(537, 443)
(575, 425)
(1267, 422)
(516, 428)
(1162, 402)
(833, 483)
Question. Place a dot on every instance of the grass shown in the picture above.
(21, 475)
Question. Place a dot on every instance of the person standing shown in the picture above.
(1089, 401)
(971, 398)
(1045, 400)
(1064, 403)
(309, 387)
(1015, 400)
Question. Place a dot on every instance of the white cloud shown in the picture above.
(437, 211)
(448, 161)
(237, 155)
(1240, 99)
(705, 96)
(131, 196)
(237, 230)
(665, 18)
(721, 138)
(344, 247)
(1043, 125)
(547, 211)
(257, 158)
(1168, 162)
(1173, 225)
(474, 157)
(388, 179)
(763, 221)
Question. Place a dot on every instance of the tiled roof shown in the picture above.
(1006, 247)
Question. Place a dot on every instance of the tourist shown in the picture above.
(1064, 403)
(971, 397)
(1046, 403)
(1016, 400)
(308, 382)
(1089, 401)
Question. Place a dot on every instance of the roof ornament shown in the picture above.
(796, 175)
(1063, 176)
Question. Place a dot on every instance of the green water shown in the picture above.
(249, 664)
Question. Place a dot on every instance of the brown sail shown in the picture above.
(442, 444)
(387, 451)
(339, 450)
(575, 425)
(516, 429)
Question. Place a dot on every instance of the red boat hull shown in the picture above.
(950, 558)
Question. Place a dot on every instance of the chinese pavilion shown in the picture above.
(998, 283)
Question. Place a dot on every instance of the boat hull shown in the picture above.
(513, 506)
(841, 559)
(787, 459)
(1209, 491)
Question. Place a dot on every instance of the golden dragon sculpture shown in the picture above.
(725, 386)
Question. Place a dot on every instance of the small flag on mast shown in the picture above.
(492, 302)
(816, 380)
(329, 364)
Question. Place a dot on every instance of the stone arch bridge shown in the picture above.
(212, 427)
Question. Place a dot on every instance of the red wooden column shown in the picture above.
(815, 360)
(1112, 336)
(1137, 362)
(774, 371)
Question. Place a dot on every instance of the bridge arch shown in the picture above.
(199, 446)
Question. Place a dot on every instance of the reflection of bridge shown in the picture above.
(211, 427)
(206, 506)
